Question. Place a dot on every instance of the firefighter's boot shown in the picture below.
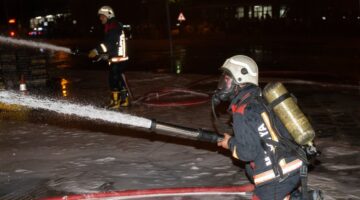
(114, 100)
(125, 102)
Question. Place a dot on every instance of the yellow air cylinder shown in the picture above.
(289, 113)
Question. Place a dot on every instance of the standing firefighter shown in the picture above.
(113, 50)
(260, 139)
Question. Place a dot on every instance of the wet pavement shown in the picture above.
(45, 154)
(310, 57)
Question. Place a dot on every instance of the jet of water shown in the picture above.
(63, 107)
(33, 44)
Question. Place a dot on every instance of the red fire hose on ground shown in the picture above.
(237, 191)
(173, 97)
(170, 97)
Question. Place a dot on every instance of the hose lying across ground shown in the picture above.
(177, 96)
(237, 191)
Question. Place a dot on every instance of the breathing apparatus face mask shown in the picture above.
(226, 89)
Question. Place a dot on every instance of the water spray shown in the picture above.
(93, 113)
(33, 44)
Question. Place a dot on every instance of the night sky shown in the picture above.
(341, 16)
(83, 9)
(23, 9)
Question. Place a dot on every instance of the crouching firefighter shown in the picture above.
(113, 50)
(275, 161)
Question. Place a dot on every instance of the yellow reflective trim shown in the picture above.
(268, 125)
(103, 47)
(234, 153)
(273, 134)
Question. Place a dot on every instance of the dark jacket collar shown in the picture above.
(111, 24)
(246, 94)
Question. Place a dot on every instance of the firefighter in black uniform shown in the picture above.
(113, 50)
(275, 170)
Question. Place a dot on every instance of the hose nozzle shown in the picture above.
(198, 134)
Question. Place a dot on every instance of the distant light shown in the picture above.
(12, 33)
(323, 18)
(31, 33)
(178, 67)
(343, 17)
(177, 24)
(74, 22)
(178, 70)
(181, 17)
(358, 17)
(46, 23)
(64, 84)
(64, 81)
(40, 28)
(12, 21)
(38, 17)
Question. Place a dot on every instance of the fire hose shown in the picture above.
(198, 134)
(154, 98)
(237, 191)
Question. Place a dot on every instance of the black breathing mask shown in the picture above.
(226, 89)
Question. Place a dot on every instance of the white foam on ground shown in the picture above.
(334, 167)
(332, 151)
(332, 189)
(62, 107)
(32, 44)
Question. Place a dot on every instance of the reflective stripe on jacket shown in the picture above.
(114, 43)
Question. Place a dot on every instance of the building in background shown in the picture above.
(269, 16)
(148, 18)
(53, 25)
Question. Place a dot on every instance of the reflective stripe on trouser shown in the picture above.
(118, 59)
(270, 175)
(278, 190)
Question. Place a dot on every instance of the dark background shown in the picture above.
(301, 17)
(311, 39)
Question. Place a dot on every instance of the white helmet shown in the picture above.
(242, 68)
(107, 11)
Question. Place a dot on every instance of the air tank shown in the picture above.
(289, 113)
